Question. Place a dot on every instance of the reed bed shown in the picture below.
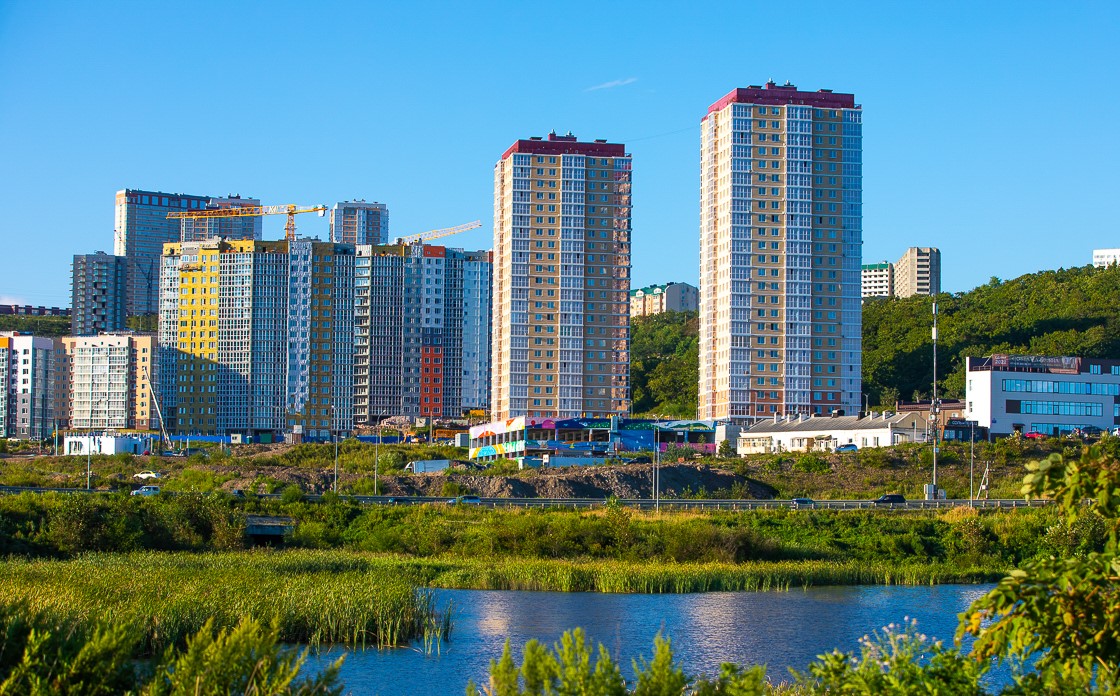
(657, 578)
(313, 597)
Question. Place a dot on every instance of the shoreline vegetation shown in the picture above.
(309, 597)
(136, 578)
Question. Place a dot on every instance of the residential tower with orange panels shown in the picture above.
(780, 254)
(561, 326)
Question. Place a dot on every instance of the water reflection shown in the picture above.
(779, 629)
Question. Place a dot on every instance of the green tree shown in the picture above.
(1062, 612)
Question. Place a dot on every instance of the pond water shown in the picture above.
(778, 629)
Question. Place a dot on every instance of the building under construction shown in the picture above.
(257, 338)
(359, 222)
(422, 331)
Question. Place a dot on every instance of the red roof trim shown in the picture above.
(776, 95)
(558, 147)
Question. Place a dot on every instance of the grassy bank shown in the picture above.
(62, 525)
(313, 597)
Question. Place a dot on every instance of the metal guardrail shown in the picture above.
(642, 504)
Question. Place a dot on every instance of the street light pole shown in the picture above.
(657, 468)
(376, 457)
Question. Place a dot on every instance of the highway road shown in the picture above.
(644, 504)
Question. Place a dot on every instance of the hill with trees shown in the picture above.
(664, 364)
(1064, 312)
(1073, 311)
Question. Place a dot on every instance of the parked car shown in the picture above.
(145, 475)
(465, 500)
(146, 490)
(891, 499)
(799, 503)
(237, 493)
(847, 448)
(1091, 431)
(1033, 435)
(639, 460)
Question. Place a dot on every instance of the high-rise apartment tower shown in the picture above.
(97, 296)
(780, 238)
(561, 327)
(142, 228)
(358, 222)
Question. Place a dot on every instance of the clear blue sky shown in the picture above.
(990, 129)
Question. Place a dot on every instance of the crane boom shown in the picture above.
(252, 211)
(436, 234)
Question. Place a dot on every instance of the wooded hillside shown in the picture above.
(1072, 311)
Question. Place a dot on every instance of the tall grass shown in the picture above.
(630, 577)
(315, 597)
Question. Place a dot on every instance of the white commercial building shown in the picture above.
(1106, 257)
(1044, 394)
(107, 444)
(825, 434)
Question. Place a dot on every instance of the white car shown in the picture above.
(146, 490)
(145, 475)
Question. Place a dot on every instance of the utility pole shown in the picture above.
(933, 407)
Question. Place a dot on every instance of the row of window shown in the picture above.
(1058, 408)
(1045, 386)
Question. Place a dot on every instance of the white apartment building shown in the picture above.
(27, 395)
(918, 272)
(107, 382)
(877, 279)
(668, 297)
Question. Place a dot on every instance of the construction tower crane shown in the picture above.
(252, 211)
(436, 234)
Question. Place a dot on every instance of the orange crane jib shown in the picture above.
(252, 211)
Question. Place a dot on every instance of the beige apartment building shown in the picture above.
(669, 297)
(780, 254)
(561, 312)
(918, 272)
(107, 382)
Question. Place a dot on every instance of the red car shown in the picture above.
(1034, 435)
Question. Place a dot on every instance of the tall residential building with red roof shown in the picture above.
(561, 310)
(780, 254)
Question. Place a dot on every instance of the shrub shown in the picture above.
(291, 494)
(811, 463)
